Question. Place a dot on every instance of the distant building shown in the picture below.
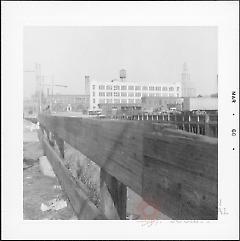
(74, 102)
(157, 104)
(200, 103)
(129, 92)
(120, 109)
(188, 89)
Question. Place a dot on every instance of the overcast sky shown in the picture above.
(147, 53)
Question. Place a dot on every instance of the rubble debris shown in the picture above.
(54, 204)
(57, 187)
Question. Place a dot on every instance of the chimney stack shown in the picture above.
(87, 84)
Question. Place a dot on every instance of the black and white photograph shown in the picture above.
(123, 123)
(133, 113)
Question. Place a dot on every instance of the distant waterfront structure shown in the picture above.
(129, 92)
(188, 89)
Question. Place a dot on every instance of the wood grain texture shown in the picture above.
(113, 196)
(173, 170)
(79, 201)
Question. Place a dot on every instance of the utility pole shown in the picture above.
(39, 85)
(52, 93)
(52, 86)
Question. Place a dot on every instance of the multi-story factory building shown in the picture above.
(128, 92)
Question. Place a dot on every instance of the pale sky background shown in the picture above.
(147, 53)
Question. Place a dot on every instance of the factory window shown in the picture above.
(171, 95)
(151, 87)
(93, 94)
(117, 101)
(165, 95)
(130, 94)
(109, 93)
(93, 100)
(123, 87)
(130, 100)
(158, 94)
(93, 87)
(144, 88)
(123, 94)
(138, 100)
(178, 88)
(116, 87)
(102, 87)
(130, 87)
(151, 94)
(164, 88)
(138, 94)
(108, 87)
(116, 94)
(177, 95)
(158, 88)
(137, 87)
(123, 101)
(101, 93)
(171, 89)
(109, 101)
(144, 94)
(102, 101)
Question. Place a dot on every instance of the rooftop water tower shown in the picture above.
(123, 75)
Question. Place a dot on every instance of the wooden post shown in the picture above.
(60, 144)
(198, 127)
(113, 196)
(189, 125)
(207, 126)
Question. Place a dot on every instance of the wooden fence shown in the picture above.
(172, 170)
(206, 124)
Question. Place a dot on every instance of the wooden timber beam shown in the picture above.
(172, 170)
(78, 199)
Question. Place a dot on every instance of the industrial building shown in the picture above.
(158, 104)
(127, 92)
(120, 109)
(200, 103)
(75, 102)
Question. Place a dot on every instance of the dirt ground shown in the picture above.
(38, 188)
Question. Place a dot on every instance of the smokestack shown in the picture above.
(87, 84)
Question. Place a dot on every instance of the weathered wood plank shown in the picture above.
(113, 196)
(173, 170)
(180, 173)
(111, 145)
(79, 201)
